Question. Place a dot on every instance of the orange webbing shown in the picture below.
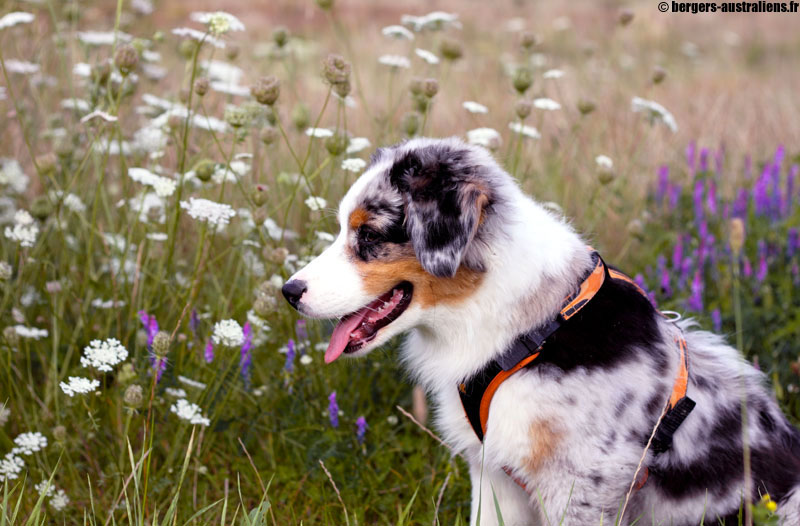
(486, 399)
(619, 275)
(588, 289)
(679, 388)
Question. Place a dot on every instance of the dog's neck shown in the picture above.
(536, 261)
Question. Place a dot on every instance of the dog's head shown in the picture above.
(415, 232)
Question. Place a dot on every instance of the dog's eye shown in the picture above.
(368, 235)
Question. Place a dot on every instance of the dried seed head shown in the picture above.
(161, 343)
(415, 86)
(205, 169)
(342, 89)
(636, 228)
(259, 194)
(659, 74)
(421, 103)
(336, 69)
(411, 122)
(201, 86)
(10, 336)
(528, 40)
(523, 108)
(280, 35)
(264, 306)
(336, 144)
(134, 395)
(522, 80)
(430, 87)
(625, 17)
(60, 433)
(126, 58)
(266, 90)
(236, 117)
(47, 162)
(126, 372)
(41, 208)
(269, 134)
(451, 49)
(300, 116)
(585, 106)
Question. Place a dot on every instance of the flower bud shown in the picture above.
(141, 338)
(264, 306)
(736, 236)
(279, 255)
(280, 35)
(450, 49)
(528, 40)
(266, 90)
(421, 103)
(236, 117)
(205, 169)
(411, 123)
(336, 69)
(430, 87)
(342, 89)
(585, 106)
(636, 228)
(300, 116)
(625, 17)
(259, 195)
(134, 395)
(10, 336)
(6, 271)
(47, 163)
(126, 58)
(232, 50)
(127, 372)
(201, 86)
(101, 72)
(522, 80)
(41, 208)
(659, 74)
(161, 343)
(336, 143)
(269, 134)
(60, 433)
(187, 48)
(523, 108)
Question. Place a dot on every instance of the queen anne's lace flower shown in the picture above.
(604, 162)
(30, 332)
(102, 38)
(394, 61)
(103, 355)
(474, 107)
(357, 144)
(228, 333)
(12, 176)
(398, 32)
(189, 412)
(29, 443)
(316, 203)
(524, 130)
(546, 104)
(24, 230)
(79, 385)
(14, 18)
(354, 164)
(22, 67)
(319, 133)
(175, 392)
(427, 56)
(553, 74)
(655, 112)
(218, 22)
(435, 20)
(199, 36)
(486, 137)
(59, 500)
(163, 186)
(191, 383)
(73, 202)
(217, 214)
(10, 467)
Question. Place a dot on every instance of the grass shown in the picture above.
(108, 247)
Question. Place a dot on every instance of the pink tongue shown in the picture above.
(341, 335)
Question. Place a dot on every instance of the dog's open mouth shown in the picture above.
(357, 329)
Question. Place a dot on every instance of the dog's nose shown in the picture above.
(293, 290)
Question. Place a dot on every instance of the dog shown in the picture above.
(437, 241)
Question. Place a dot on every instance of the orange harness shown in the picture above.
(477, 392)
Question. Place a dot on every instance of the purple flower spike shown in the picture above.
(150, 326)
(695, 302)
(674, 194)
(301, 332)
(716, 320)
(747, 269)
(246, 360)
(677, 254)
(761, 275)
(333, 410)
(698, 200)
(663, 182)
(719, 160)
(361, 429)
(290, 354)
(194, 322)
(790, 181)
(666, 288)
(792, 242)
(160, 365)
(691, 150)
(704, 160)
(711, 198)
(209, 352)
(740, 205)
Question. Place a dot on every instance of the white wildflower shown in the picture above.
(102, 38)
(392, 420)
(32, 333)
(59, 500)
(230, 89)
(544, 103)
(5, 413)
(163, 186)
(604, 162)
(199, 36)
(45, 488)
(319, 133)
(223, 71)
(553, 74)
(175, 392)
(14, 18)
(11, 175)
(354, 164)
(99, 114)
(103, 355)
(357, 144)
(29, 443)
(151, 56)
(524, 130)
(191, 383)
(21, 66)
(398, 32)
(10, 467)
(218, 22)
(474, 107)
(217, 214)
(143, 7)
(316, 203)
(150, 139)
(427, 56)
(433, 21)
(98, 303)
(73, 203)
(276, 232)
(237, 169)
(157, 236)
(306, 359)
(654, 112)
(228, 333)
(79, 385)
(486, 137)
(24, 230)
(189, 412)
(394, 61)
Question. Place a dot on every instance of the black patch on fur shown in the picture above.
(616, 326)
(767, 423)
(623, 403)
(439, 187)
(702, 383)
(653, 405)
(372, 242)
(597, 478)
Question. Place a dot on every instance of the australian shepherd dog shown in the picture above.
(438, 242)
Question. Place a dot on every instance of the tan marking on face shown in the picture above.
(544, 439)
(358, 217)
(380, 276)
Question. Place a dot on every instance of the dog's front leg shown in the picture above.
(514, 503)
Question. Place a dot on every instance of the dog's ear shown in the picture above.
(444, 206)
